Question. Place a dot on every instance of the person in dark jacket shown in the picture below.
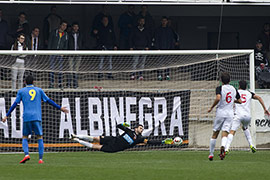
(58, 41)
(105, 41)
(126, 23)
(75, 42)
(21, 26)
(35, 42)
(164, 40)
(50, 23)
(140, 39)
(149, 21)
(3, 32)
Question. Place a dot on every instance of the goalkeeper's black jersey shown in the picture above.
(128, 139)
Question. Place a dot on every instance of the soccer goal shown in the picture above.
(169, 92)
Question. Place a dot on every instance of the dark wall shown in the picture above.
(197, 25)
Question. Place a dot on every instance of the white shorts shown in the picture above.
(238, 120)
(222, 123)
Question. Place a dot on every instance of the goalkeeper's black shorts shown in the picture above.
(110, 145)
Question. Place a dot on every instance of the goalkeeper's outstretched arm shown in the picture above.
(123, 126)
(158, 142)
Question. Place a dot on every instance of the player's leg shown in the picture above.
(225, 131)
(52, 66)
(229, 141)
(14, 72)
(37, 128)
(21, 70)
(40, 149)
(85, 137)
(26, 132)
(216, 128)
(246, 122)
(213, 141)
(235, 125)
(88, 144)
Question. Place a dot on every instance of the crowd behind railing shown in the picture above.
(137, 32)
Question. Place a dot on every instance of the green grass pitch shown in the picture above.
(139, 165)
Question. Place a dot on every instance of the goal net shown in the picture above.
(169, 92)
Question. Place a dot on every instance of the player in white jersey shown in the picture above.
(226, 95)
(242, 115)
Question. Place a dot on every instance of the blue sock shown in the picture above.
(25, 146)
(40, 148)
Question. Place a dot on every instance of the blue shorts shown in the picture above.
(30, 126)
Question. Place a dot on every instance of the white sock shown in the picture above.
(224, 141)
(229, 141)
(212, 146)
(248, 136)
(87, 144)
(85, 137)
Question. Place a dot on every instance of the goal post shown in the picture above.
(168, 92)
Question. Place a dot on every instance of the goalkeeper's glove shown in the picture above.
(167, 141)
(125, 124)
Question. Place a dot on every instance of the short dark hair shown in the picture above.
(53, 7)
(29, 79)
(75, 23)
(63, 21)
(35, 28)
(225, 77)
(22, 13)
(243, 84)
(20, 34)
(165, 17)
(137, 125)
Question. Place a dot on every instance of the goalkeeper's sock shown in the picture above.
(229, 141)
(212, 146)
(25, 146)
(40, 148)
(248, 137)
(224, 141)
(87, 144)
(85, 137)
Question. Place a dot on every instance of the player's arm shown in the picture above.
(254, 96)
(16, 102)
(218, 97)
(157, 142)
(52, 103)
(46, 99)
(237, 98)
(123, 126)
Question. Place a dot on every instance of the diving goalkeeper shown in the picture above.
(119, 143)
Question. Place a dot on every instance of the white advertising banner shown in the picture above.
(262, 122)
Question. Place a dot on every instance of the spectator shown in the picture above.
(263, 76)
(75, 42)
(51, 22)
(164, 40)
(58, 40)
(3, 39)
(176, 35)
(149, 22)
(139, 40)
(264, 36)
(97, 22)
(3, 32)
(259, 54)
(21, 26)
(164, 36)
(34, 42)
(105, 41)
(18, 67)
(98, 18)
(125, 23)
